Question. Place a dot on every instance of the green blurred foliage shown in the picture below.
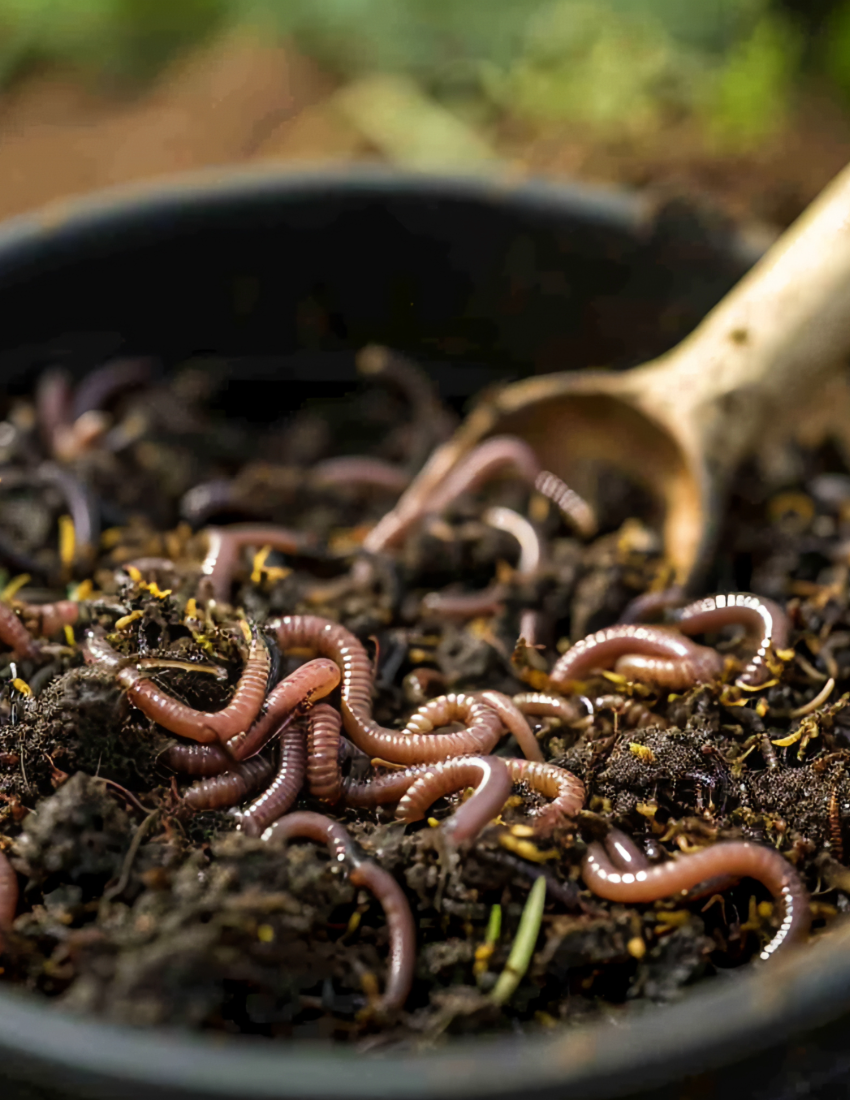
(623, 66)
(836, 50)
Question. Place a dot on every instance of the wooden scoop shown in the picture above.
(682, 423)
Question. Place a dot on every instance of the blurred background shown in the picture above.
(743, 103)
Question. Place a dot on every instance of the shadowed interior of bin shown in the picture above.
(285, 288)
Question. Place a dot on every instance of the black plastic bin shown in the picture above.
(285, 276)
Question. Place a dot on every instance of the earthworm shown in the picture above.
(197, 760)
(53, 399)
(739, 858)
(513, 720)
(412, 744)
(225, 544)
(102, 384)
(492, 782)
(429, 493)
(15, 635)
(359, 472)
(225, 790)
(836, 834)
(79, 501)
(547, 706)
(566, 790)
(8, 896)
(364, 873)
(279, 796)
(206, 499)
(506, 519)
(648, 653)
(203, 726)
(323, 739)
(464, 605)
(496, 455)
(313, 680)
(47, 619)
(572, 507)
(418, 683)
(530, 626)
(633, 714)
(764, 621)
(97, 651)
(651, 605)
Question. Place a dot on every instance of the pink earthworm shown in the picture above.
(323, 776)
(428, 494)
(572, 507)
(566, 790)
(739, 858)
(412, 744)
(225, 790)
(280, 795)
(513, 720)
(8, 896)
(634, 714)
(651, 605)
(197, 760)
(47, 619)
(101, 385)
(420, 681)
(15, 634)
(206, 727)
(531, 626)
(97, 651)
(359, 472)
(544, 705)
(530, 550)
(488, 774)
(464, 605)
(364, 873)
(653, 654)
(764, 621)
(313, 680)
(53, 404)
(226, 543)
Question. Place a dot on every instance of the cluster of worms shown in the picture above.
(288, 744)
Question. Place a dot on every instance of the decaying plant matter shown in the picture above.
(546, 778)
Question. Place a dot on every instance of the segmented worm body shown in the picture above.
(313, 680)
(542, 704)
(565, 789)
(364, 873)
(226, 543)
(206, 727)
(652, 654)
(631, 713)
(513, 720)
(46, 619)
(652, 605)
(530, 550)
(8, 896)
(618, 871)
(434, 489)
(97, 651)
(359, 472)
(15, 635)
(323, 739)
(764, 621)
(415, 743)
(103, 384)
(575, 509)
(225, 790)
(196, 760)
(280, 795)
(464, 605)
(488, 774)
(418, 684)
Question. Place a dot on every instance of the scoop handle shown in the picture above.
(760, 354)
